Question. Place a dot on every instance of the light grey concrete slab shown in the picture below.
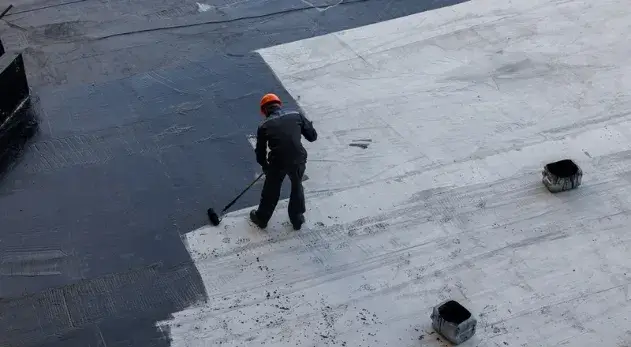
(455, 111)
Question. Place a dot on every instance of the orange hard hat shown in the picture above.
(267, 98)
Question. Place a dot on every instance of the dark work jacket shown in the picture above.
(282, 132)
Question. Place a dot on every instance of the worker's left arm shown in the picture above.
(261, 147)
(308, 131)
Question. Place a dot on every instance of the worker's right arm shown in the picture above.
(308, 131)
(261, 148)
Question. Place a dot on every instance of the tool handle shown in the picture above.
(5, 11)
(243, 192)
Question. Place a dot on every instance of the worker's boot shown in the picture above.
(297, 222)
(256, 220)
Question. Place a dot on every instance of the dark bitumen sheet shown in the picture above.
(140, 130)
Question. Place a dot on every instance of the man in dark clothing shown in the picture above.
(282, 132)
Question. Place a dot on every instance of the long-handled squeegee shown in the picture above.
(216, 219)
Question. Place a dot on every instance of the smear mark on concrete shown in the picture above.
(363, 143)
(203, 7)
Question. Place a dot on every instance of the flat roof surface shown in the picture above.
(145, 112)
(425, 185)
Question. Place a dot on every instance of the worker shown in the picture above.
(282, 132)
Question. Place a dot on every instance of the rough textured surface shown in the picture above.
(464, 106)
(145, 112)
(111, 300)
(80, 41)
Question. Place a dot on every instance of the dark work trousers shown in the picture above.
(271, 192)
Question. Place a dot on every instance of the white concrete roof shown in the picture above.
(463, 106)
